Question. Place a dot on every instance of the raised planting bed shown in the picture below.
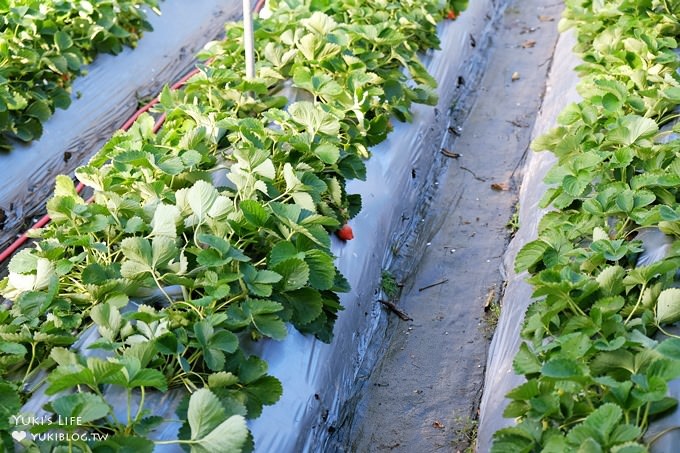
(224, 217)
(597, 356)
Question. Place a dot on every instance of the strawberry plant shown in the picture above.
(598, 351)
(44, 45)
(213, 232)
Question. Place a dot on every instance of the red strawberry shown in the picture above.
(345, 233)
(451, 14)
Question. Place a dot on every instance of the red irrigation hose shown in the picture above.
(44, 220)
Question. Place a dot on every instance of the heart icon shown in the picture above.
(19, 435)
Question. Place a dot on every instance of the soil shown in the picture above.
(423, 394)
(500, 378)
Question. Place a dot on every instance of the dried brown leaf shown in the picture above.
(450, 154)
(490, 297)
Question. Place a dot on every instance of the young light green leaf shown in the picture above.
(164, 221)
(88, 175)
(319, 23)
(222, 379)
(328, 153)
(292, 181)
(211, 431)
(266, 169)
(314, 119)
(108, 320)
(668, 306)
(145, 257)
(140, 255)
(164, 250)
(201, 197)
(305, 200)
(632, 129)
(23, 262)
(84, 407)
(67, 376)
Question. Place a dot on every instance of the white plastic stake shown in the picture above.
(248, 39)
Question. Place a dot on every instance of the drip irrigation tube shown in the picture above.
(44, 220)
